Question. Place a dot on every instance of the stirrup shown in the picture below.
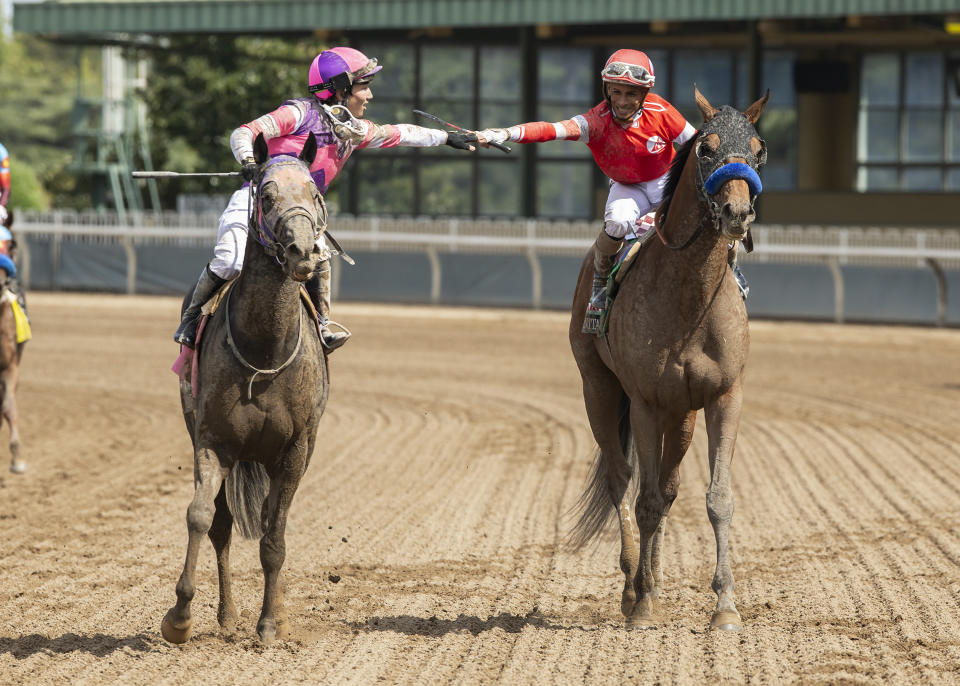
(331, 340)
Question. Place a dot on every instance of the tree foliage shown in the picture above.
(38, 81)
(203, 87)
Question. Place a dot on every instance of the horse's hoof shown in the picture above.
(726, 620)
(18, 466)
(642, 623)
(175, 632)
(267, 631)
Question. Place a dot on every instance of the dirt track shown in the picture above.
(453, 445)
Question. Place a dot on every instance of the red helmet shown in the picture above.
(630, 67)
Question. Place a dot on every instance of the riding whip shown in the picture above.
(172, 174)
(498, 146)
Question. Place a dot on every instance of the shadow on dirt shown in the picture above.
(433, 626)
(98, 645)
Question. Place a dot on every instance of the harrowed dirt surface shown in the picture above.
(454, 445)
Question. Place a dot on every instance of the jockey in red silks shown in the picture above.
(632, 135)
(339, 83)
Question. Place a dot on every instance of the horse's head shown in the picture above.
(728, 153)
(290, 213)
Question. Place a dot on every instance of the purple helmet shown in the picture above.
(339, 68)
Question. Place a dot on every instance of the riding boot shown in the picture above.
(604, 255)
(208, 284)
(742, 285)
(319, 289)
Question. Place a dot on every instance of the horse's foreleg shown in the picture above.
(283, 485)
(10, 376)
(723, 421)
(649, 511)
(220, 534)
(676, 442)
(208, 475)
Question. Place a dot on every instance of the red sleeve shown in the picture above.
(537, 132)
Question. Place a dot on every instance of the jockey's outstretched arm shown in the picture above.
(574, 129)
(287, 118)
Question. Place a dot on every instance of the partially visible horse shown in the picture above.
(11, 348)
(262, 388)
(677, 343)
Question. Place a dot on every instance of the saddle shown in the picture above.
(187, 365)
(624, 259)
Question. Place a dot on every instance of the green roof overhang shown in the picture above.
(266, 16)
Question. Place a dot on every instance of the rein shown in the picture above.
(256, 371)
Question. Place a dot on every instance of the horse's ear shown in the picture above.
(260, 150)
(753, 112)
(309, 152)
(706, 109)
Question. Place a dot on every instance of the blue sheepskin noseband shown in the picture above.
(730, 171)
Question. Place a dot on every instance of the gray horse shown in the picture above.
(263, 386)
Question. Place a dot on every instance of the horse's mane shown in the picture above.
(676, 171)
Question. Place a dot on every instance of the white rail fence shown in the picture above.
(933, 249)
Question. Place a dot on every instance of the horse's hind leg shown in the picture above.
(208, 475)
(10, 376)
(220, 533)
(604, 399)
(723, 420)
(283, 484)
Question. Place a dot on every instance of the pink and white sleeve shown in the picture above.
(281, 122)
(401, 135)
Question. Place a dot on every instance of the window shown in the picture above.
(566, 86)
(472, 86)
(908, 123)
(721, 75)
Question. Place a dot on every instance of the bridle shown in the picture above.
(266, 236)
(276, 249)
(714, 170)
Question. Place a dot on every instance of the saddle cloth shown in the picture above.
(24, 333)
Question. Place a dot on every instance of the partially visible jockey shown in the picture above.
(632, 135)
(339, 81)
(4, 183)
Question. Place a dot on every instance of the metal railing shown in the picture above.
(934, 249)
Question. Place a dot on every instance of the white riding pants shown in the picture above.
(626, 204)
(232, 238)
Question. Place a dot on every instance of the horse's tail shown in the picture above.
(595, 505)
(247, 487)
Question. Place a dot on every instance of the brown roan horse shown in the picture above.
(262, 389)
(677, 343)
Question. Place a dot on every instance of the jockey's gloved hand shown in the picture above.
(461, 140)
(494, 136)
(248, 169)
